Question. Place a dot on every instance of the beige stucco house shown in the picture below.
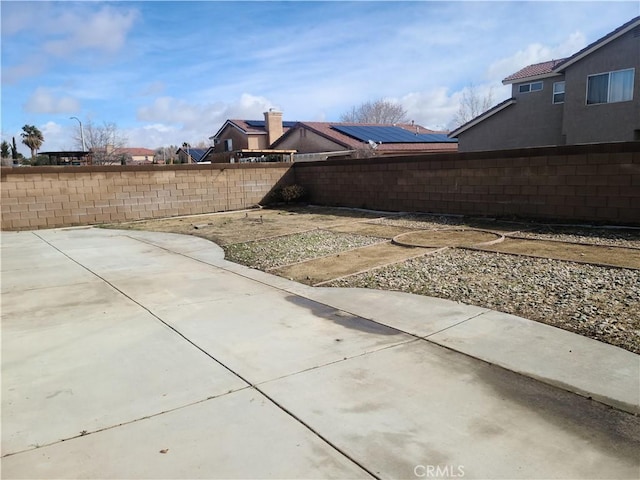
(591, 97)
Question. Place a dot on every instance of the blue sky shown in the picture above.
(169, 72)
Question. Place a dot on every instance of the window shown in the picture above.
(530, 87)
(610, 87)
(558, 92)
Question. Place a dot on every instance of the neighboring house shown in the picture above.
(135, 156)
(250, 140)
(111, 155)
(250, 134)
(193, 155)
(321, 140)
(272, 139)
(591, 97)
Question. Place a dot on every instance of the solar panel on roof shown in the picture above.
(390, 134)
(261, 124)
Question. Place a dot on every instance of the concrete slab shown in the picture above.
(57, 272)
(267, 335)
(240, 435)
(417, 408)
(24, 239)
(84, 357)
(148, 343)
(189, 283)
(414, 314)
(30, 257)
(179, 243)
(594, 369)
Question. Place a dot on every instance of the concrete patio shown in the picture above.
(144, 355)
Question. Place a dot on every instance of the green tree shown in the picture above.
(14, 149)
(5, 149)
(32, 137)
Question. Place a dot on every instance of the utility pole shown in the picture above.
(84, 148)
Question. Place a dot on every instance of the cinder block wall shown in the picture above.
(47, 197)
(595, 183)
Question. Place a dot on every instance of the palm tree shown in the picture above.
(32, 138)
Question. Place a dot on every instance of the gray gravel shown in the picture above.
(288, 249)
(629, 238)
(598, 302)
(421, 221)
(617, 237)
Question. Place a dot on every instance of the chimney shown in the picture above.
(273, 125)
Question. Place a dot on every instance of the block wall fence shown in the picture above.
(593, 183)
(47, 197)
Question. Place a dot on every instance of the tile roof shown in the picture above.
(534, 70)
(197, 154)
(324, 129)
(135, 151)
(249, 126)
(245, 127)
(549, 67)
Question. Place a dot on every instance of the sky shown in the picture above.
(171, 72)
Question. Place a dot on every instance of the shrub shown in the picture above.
(287, 194)
(292, 193)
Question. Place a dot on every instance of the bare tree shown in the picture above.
(104, 141)
(472, 104)
(378, 111)
(166, 154)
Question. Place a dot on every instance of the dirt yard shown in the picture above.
(563, 266)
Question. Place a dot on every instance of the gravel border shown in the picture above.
(288, 249)
(597, 302)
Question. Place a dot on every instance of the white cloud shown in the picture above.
(172, 121)
(151, 89)
(536, 53)
(44, 101)
(55, 137)
(51, 30)
(432, 109)
(105, 30)
(180, 121)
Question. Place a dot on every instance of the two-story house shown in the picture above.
(591, 97)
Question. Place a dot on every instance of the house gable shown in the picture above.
(548, 104)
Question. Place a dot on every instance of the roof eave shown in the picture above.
(482, 117)
(604, 41)
(532, 78)
(233, 124)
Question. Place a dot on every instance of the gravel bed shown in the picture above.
(617, 237)
(611, 237)
(428, 222)
(276, 252)
(597, 302)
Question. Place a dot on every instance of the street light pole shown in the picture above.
(84, 148)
